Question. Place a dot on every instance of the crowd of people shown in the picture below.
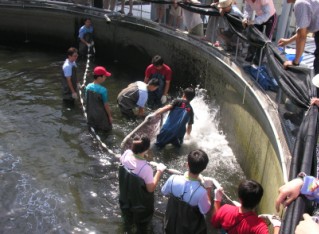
(189, 194)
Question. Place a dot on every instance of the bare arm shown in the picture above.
(286, 41)
(167, 85)
(216, 206)
(276, 230)
(146, 79)
(68, 80)
(163, 109)
(307, 226)
(108, 111)
(300, 43)
(209, 194)
(151, 187)
(84, 41)
(140, 111)
(288, 192)
(189, 129)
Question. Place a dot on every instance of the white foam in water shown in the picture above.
(205, 125)
(206, 136)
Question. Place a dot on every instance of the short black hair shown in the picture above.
(88, 18)
(71, 51)
(157, 61)
(250, 193)
(140, 144)
(154, 82)
(197, 161)
(189, 93)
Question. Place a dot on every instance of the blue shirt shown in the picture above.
(142, 92)
(184, 187)
(97, 88)
(83, 30)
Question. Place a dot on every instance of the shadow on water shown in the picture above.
(55, 177)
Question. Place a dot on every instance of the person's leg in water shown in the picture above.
(128, 220)
(143, 222)
(68, 103)
(127, 113)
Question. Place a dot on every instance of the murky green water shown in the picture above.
(55, 177)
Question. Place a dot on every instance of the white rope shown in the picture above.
(97, 137)
(86, 72)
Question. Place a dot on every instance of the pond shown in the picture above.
(55, 176)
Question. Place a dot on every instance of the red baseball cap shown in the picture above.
(101, 71)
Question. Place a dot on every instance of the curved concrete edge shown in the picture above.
(191, 60)
(266, 103)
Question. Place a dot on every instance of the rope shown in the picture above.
(97, 137)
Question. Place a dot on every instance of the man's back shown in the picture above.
(231, 220)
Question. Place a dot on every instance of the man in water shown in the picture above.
(163, 73)
(189, 197)
(137, 184)
(181, 114)
(69, 79)
(242, 219)
(85, 37)
(135, 95)
(97, 106)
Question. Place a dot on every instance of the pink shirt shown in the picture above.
(138, 166)
(264, 10)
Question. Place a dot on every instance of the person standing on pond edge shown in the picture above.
(85, 37)
(97, 106)
(137, 186)
(306, 14)
(158, 70)
(265, 17)
(69, 77)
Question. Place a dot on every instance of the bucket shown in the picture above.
(290, 53)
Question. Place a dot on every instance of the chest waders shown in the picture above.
(83, 49)
(127, 99)
(182, 218)
(174, 128)
(154, 97)
(136, 203)
(66, 91)
(96, 113)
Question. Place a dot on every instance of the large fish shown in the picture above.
(149, 127)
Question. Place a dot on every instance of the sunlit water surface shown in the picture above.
(55, 177)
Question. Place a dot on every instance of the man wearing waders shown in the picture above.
(243, 219)
(137, 186)
(86, 37)
(69, 78)
(135, 95)
(189, 197)
(163, 73)
(181, 114)
(97, 106)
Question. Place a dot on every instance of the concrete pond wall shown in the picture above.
(248, 117)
